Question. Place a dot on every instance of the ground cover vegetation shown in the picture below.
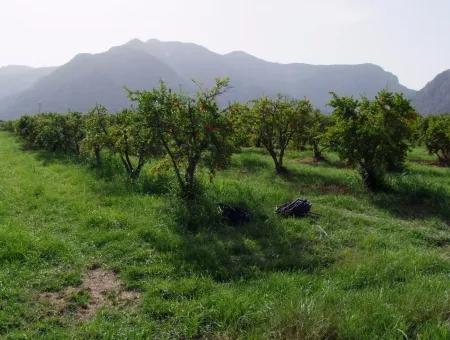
(109, 226)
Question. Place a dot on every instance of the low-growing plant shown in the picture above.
(132, 139)
(316, 127)
(191, 130)
(436, 136)
(97, 126)
(241, 121)
(8, 125)
(372, 135)
(52, 132)
(276, 122)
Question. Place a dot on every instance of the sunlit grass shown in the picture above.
(367, 266)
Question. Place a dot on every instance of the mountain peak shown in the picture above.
(134, 43)
(100, 78)
(435, 96)
(240, 55)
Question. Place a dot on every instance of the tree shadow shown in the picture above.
(111, 178)
(435, 171)
(414, 200)
(324, 182)
(155, 185)
(250, 161)
(253, 164)
(212, 247)
(324, 162)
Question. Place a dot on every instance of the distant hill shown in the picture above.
(252, 77)
(89, 79)
(100, 78)
(435, 96)
(14, 79)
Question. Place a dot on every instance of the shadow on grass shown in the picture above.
(211, 246)
(108, 169)
(253, 164)
(412, 198)
(114, 179)
(325, 162)
(250, 161)
(324, 182)
(434, 171)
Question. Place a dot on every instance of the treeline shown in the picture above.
(188, 131)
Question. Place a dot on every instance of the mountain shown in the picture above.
(100, 78)
(435, 96)
(252, 77)
(90, 79)
(14, 79)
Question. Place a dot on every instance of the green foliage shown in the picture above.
(436, 136)
(368, 266)
(8, 125)
(399, 122)
(131, 138)
(242, 123)
(97, 125)
(52, 131)
(316, 127)
(373, 135)
(191, 130)
(276, 122)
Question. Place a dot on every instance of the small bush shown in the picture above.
(373, 136)
(436, 136)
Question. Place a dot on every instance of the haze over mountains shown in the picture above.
(14, 79)
(89, 79)
(435, 96)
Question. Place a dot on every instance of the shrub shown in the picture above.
(53, 132)
(317, 125)
(436, 136)
(8, 125)
(73, 132)
(97, 125)
(399, 124)
(191, 130)
(372, 135)
(132, 139)
(26, 128)
(276, 122)
(241, 122)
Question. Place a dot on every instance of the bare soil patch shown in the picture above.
(99, 288)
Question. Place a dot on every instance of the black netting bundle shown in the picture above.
(233, 214)
(298, 208)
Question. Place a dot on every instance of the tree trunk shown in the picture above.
(317, 154)
(189, 176)
(136, 172)
(279, 166)
(372, 178)
(98, 159)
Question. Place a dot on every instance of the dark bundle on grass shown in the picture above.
(233, 214)
(298, 208)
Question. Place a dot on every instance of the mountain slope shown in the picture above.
(252, 77)
(15, 79)
(100, 78)
(435, 96)
(90, 79)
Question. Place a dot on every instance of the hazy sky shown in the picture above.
(410, 38)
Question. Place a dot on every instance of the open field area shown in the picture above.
(86, 254)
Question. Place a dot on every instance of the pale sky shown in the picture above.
(410, 38)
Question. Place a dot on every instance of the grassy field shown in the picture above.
(366, 266)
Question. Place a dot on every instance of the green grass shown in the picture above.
(368, 266)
